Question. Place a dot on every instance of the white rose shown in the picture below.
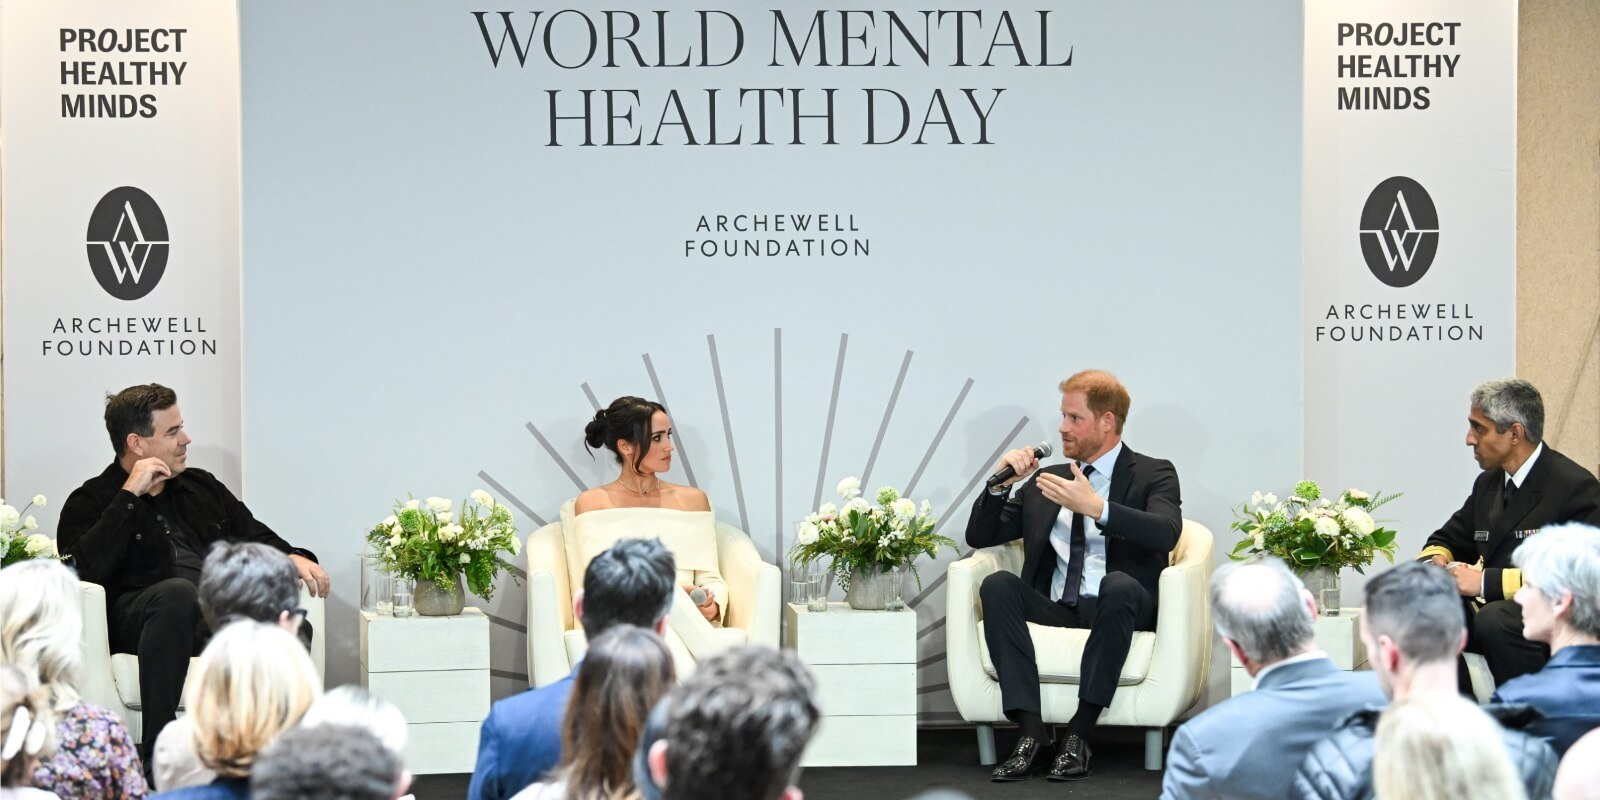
(447, 533)
(516, 545)
(390, 521)
(465, 559)
(1269, 499)
(1327, 527)
(397, 530)
(905, 507)
(9, 519)
(1357, 494)
(482, 498)
(1359, 521)
(412, 504)
(389, 552)
(849, 487)
(808, 533)
(857, 504)
(828, 510)
(1261, 540)
(437, 504)
(30, 523)
(38, 500)
(41, 545)
(442, 516)
(396, 539)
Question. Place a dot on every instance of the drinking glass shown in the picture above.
(403, 593)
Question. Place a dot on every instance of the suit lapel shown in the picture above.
(1523, 502)
(1122, 476)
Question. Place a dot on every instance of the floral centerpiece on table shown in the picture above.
(865, 537)
(16, 544)
(423, 540)
(1311, 531)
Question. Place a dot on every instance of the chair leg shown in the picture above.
(1153, 740)
(986, 755)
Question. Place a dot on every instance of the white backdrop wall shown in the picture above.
(428, 283)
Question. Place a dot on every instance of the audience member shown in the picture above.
(25, 734)
(735, 729)
(41, 632)
(625, 673)
(1249, 746)
(252, 682)
(1413, 633)
(1560, 599)
(240, 580)
(1441, 747)
(1579, 775)
(353, 705)
(328, 762)
(632, 583)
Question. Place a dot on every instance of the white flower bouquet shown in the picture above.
(16, 543)
(868, 537)
(1309, 530)
(424, 540)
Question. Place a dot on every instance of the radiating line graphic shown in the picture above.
(593, 401)
(548, 448)
(506, 623)
(511, 498)
(911, 485)
(727, 431)
(883, 427)
(677, 441)
(508, 675)
(962, 497)
(833, 408)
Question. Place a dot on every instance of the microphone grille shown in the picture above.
(1045, 449)
(698, 596)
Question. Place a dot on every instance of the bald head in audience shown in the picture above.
(1263, 613)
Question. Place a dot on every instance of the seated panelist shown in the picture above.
(640, 503)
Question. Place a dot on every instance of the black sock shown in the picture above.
(1083, 722)
(1032, 724)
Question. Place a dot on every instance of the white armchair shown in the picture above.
(112, 681)
(1164, 674)
(556, 640)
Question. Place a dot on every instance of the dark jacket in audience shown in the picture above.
(1566, 691)
(1340, 766)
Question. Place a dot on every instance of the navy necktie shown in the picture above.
(1080, 544)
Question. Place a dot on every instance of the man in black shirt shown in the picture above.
(141, 529)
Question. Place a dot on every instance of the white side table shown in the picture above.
(865, 663)
(1340, 636)
(436, 670)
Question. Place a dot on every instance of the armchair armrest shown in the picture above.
(970, 687)
(754, 587)
(316, 615)
(549, 606)
(98, 686)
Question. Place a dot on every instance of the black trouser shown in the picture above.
(1495, 632)
(161, 624)
(1122, 607)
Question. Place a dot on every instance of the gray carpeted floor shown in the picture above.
(946, 758)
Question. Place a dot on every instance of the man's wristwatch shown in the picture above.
(1001, 490)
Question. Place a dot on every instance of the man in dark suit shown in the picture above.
(1096, 531)
(1524, 486)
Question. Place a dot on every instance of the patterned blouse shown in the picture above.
(95, 758)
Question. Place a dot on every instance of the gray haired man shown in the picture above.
(1250, 746)
(1524, 486)
(1413, 635)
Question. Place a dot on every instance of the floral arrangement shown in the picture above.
(861, 536)
(424, 541)
(15, 543)
(1308, 530)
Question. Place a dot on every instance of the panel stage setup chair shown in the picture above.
(111, 681)
(1164, 675)
(556, 640)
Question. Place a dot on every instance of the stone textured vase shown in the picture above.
(1324, 584)
(434, 600)
(869, 589)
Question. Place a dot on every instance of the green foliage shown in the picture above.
(861, 536)
(1308, 530)
(422, 540)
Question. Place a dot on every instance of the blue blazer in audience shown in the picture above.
(520, 741)
(1251, 745)
(1566, 691)
(219, 789)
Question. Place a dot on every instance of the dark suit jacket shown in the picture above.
(1567, 691)
(1556, 490)
(1146, 518)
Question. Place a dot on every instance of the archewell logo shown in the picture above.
(1399, 231)
(127, 243)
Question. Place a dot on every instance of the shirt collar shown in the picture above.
(1108, 462)
(1527, 466)
(1306, 656)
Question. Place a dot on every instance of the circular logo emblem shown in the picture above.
(1399, 231)
(127, 243)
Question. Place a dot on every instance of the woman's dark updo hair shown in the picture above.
(627, 419)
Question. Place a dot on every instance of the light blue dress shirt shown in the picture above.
(1094, 557)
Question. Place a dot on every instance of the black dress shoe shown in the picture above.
(1072, 760)
(1025, 760)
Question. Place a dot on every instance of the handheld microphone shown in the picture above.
(1006, 473)
(698, 596)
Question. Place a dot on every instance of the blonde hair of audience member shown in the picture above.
(25, 737)
(41, 627)
(1441, 747)
(624, 673)
(253, 681)
(1578, 777)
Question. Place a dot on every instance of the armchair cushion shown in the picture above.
(1060, 654)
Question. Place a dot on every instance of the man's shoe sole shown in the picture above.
(1067, 778)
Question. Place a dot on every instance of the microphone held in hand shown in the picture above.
(698, 596)
(1006, 473)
